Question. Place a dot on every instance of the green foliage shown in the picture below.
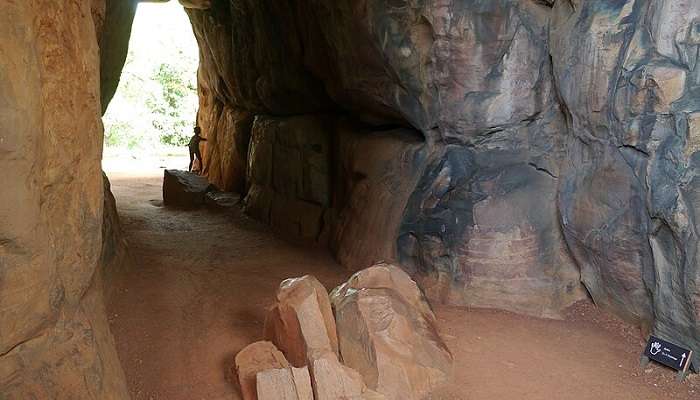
(117, 135)
(156, 103)
(166, 105)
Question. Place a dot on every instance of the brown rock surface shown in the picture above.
(289, 173)
(387, 332)
(301, 323)
(525, 187)
(334, 381)
(228, 134)
(114, 258)
(375, 175)
(54, 337)
(560, 146)
(184, 189)
(113, 27)
(386, 276)
(628, 197)
(199, 4)
(254, 359)
(285, 384)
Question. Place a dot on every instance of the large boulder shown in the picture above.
(285, 384)
(301, 322)
(387, 332)
(333, 381)
(387, 276)
(253, 359)
(184, 189)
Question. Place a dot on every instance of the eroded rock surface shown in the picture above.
(54, 335)
(289, 173)
(285, 384)
(333, 380)
(503, 150)
(184, 189)
(301, 323)
(628, 74)
(256, 358)
(557, 148)
(115, 254)
(387, 332)
(481, 228)
(375, 175)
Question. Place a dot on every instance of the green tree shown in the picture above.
(166, 105)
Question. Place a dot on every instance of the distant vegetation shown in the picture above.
(155, 107)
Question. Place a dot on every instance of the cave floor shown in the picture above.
(201, 282)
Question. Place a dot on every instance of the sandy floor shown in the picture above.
(202, 281)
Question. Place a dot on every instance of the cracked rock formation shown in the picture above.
(628, 195)
(387, 333)
(506, 153)
(54, 336)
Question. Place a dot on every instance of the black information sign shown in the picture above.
(668, 354)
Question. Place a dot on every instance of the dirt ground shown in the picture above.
(201, 282)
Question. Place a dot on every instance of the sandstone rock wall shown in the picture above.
(556, 142)
(444, 147)
(54, 337)
(502, 150)
(289, 173)
(627, 201)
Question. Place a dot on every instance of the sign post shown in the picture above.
(668, 354)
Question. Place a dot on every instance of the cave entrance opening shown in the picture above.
(150, 120)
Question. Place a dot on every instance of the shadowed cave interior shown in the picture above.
(528, 167)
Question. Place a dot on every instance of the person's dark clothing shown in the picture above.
(194, 150)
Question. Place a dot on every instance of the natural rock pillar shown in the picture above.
(54, 336)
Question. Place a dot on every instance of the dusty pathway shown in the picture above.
(203, 280)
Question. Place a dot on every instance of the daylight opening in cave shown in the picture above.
(151, 117)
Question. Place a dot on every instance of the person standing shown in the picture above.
(194, 148)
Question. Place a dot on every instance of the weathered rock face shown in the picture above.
(54, 337)
(502, 150)
(253, 359)
(264, 374)
(265, 75)
(301, 322)
(628, 198)
(477, 77)
(113, 23)
(386, 332)
(375, 173)
(289, 173)
(481, 228)
(285, 384)
(560, 142)
(114, 258)
(461, 65)
(184, 189)
(226, 153)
